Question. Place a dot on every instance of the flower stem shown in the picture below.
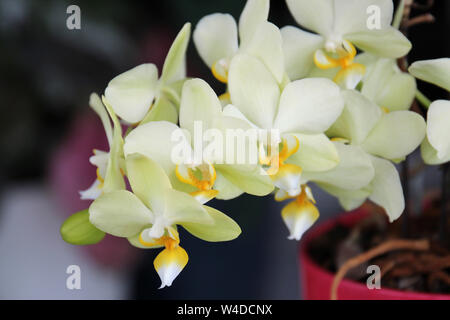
(423, 100)
(444, 200)
(405, 186)
(398, 14)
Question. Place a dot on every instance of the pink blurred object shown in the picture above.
(317, 281)
(71, 171)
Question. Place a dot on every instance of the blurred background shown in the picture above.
(47, 73)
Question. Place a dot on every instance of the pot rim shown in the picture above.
(349, 219)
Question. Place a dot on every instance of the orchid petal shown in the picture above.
(438, 127)
(169, 263)
(120, 213)
(309, 106)
(354, 171)
(131, 93)
(254, 90)
(248, 178)
(314, 15)
(175, 65)
(396, 135)
(215, 37)
(316, 153)
(199, 103)
(267, 45)
(387, 189)
(255, 12)
(223, 227)
(359, 117)
(148, 181)
(374, 41)
(435, 71)
(299, 47)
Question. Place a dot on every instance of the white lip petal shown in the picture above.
(92, 193)
(169, 263)
(288, 179)
(299, 215)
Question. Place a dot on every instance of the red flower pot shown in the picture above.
(316, 281)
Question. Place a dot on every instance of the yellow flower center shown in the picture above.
(350, 73)
(276, 161)
(220, 70)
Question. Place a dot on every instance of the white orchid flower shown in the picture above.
(300, 113)
(137, 95)
(339, 26)
(436, 147)
(209, 176)
(109, 172)
(148, 217)
(216, 40)
(377, 137)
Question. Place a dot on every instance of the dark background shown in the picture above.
(46, 75)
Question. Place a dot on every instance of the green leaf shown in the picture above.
(222, 229)
(78, 230)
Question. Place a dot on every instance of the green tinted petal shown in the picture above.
(120, 213)
(298, 48)
(309, 106)
(154, 140)
(267, 45)
(223, 227)
(226, 189)
(438, 127)
(254, 90)
(134, 241)
(375, 42)
(316, 153)
(113, 177)
(398, 93)
(131, 93)
(182, 208)
(317, 15)
(396, 135)
(162, 110)
(199, 103)
(359, 117)
(354, 171)
(174, 66)
(148, 181)
(248, 178)
(348, 199)
(96, 104)
(429, 154)
(255, 12)
(387, 189)
(436, 71)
